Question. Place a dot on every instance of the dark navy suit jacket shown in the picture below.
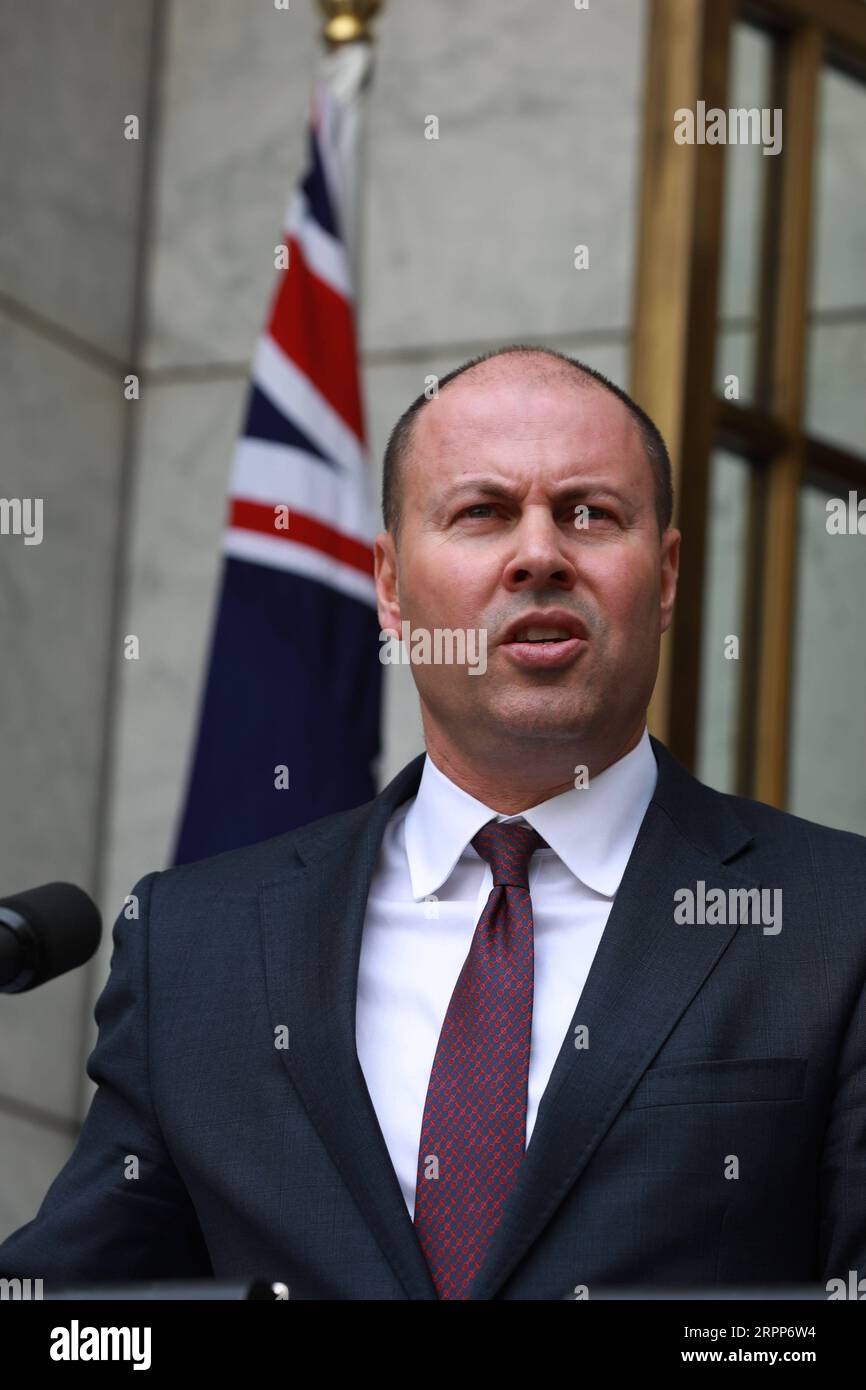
(712, 1132)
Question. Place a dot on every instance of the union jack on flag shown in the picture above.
(289, 723)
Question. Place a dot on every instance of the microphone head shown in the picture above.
(55, 928)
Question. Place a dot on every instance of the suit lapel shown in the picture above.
(646, 971)
(312, 923)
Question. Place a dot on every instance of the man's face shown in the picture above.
(470, 559)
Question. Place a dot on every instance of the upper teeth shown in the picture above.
(535, 634)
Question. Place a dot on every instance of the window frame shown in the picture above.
(676, 328)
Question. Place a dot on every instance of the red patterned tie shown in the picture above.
(473, 1135)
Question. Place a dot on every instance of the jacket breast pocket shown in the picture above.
(730, 1079)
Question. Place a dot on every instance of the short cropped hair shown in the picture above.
(400, 440)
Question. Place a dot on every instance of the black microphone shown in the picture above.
(43, 933)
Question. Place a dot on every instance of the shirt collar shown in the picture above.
(591, 829)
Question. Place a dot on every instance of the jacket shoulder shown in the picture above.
(705, 814)
(800, 851)
(251, 864)
(769, 820)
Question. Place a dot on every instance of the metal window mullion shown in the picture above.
(802, 64)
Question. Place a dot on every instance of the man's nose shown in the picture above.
(539, 555)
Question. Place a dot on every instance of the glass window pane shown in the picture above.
(828, 731)
(746, 169)
(724, 584)
(835, 399)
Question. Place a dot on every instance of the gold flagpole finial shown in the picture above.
(347, 21)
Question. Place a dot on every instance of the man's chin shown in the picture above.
(557, 721)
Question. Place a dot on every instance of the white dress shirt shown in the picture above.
(427, 893)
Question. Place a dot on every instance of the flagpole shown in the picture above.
(348, 21)
(346, 68)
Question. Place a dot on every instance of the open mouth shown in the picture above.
(536, 648)
(540, 634)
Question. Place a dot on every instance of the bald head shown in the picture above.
(531, 366)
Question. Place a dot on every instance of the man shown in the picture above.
(547, 1014)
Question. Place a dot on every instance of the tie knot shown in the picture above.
(508, 848)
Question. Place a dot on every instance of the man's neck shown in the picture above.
(496, 783)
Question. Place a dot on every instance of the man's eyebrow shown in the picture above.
(488, 488)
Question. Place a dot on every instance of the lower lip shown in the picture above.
(544, 655)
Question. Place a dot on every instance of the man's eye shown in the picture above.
(488, 507)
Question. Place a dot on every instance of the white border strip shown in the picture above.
(274, 474)
(294, 395)
(300, 559)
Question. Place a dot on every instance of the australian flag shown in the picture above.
(289, 721)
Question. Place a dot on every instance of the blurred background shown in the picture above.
(724, 286)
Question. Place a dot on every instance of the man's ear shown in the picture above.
(387, 591)
(670, 568)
